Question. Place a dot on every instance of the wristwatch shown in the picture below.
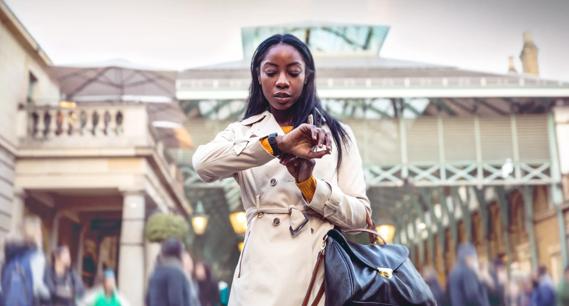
(272, 138)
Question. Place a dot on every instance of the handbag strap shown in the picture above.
(312, 281)
(373, 237)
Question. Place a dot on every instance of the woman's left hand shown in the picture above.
(300, 168)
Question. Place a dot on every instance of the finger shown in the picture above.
(328, 141)
(321, 137)
(314, 132)
(317, 155)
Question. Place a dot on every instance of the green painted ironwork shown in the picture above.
(556, 197)
(485, 217)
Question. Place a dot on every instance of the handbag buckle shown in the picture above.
(384, 272)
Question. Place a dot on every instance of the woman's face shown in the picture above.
(282, 75)
(200, 272)
(65, 258)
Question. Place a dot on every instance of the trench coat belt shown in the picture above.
(298, 217)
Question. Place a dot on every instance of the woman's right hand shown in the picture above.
(300, 141)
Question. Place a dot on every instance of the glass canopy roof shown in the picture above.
(323, 39)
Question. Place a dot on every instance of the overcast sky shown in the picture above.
(178, 34)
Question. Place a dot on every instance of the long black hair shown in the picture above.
(308, 103)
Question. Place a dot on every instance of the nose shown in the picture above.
(282, 81)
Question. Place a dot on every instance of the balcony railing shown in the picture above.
(98, 125)
(366, 83)
(95, 127)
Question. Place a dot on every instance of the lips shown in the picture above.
(282, 94)
(282, 97)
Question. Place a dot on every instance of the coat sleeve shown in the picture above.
(344, 203)
(229, 153)
(38, 268)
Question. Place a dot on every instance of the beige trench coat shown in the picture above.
(275, 266)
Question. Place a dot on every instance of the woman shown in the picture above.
(189, 266)
(295, 186)
(208, 288)
(64, 284)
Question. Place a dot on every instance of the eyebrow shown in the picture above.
(291, 64)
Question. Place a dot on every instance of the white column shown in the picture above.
(131, 261)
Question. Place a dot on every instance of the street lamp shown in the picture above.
(386, 231)
(199, 220)
(238, 220)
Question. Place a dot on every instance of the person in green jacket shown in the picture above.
(107, 295)
(563, 291)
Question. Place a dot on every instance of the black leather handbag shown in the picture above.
(367, 274)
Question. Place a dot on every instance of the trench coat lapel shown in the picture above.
(263, 125)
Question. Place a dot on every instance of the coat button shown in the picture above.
(276, 221)
(273, 182)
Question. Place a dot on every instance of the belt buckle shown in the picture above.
(296, 231)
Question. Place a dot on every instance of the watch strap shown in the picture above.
(273, 143)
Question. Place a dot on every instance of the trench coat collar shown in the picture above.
(263, 124)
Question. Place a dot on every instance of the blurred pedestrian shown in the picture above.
(107, 294)
(497, 289)
(526, 287)
(543, 292)
(63, 282)
(464, 285)
(223, 293)
(22, 278)
(431, 278)
(514, 292)
(563, 291)
(208, 287)
(188, 264)
(168, 285)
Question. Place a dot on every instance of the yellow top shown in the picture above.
(307, 187)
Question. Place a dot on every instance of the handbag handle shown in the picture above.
(374, 236)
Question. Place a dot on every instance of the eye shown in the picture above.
(271, 72)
